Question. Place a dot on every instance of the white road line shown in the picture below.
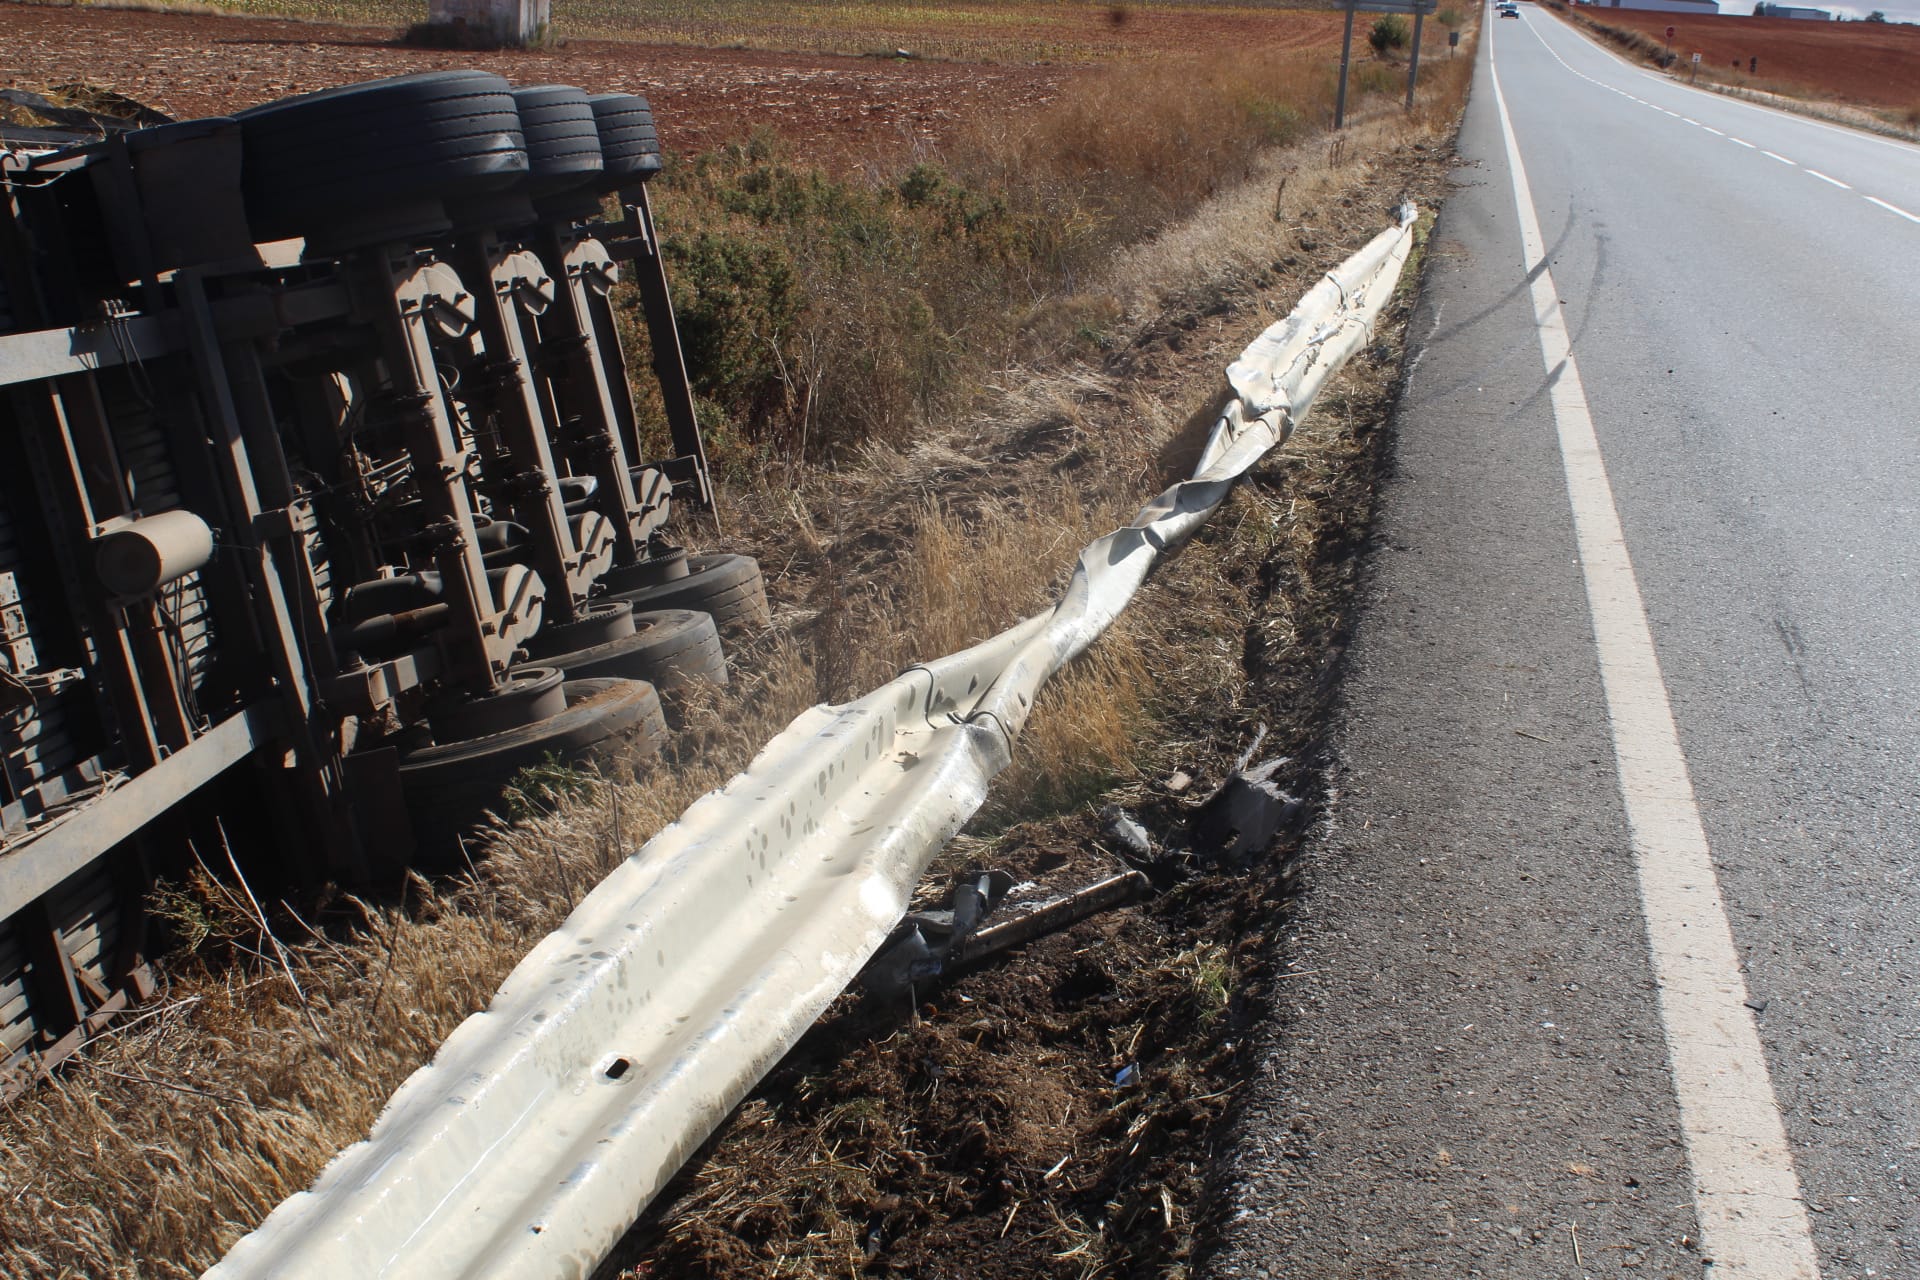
(1894, 208)
(1782, 159)
(1747, 1196)
(1668, 82)
(1692, 121)
(1835, 181)
(1710, 129)
(1742, 142)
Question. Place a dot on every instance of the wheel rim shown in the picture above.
(601, 622)
(526, 695)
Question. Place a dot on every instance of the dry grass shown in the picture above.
(824, 314)
(181, 1129)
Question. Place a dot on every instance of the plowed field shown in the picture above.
(1873, 64)
(192, 65)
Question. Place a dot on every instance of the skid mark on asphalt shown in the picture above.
(1601, 84)
(1745, 1190)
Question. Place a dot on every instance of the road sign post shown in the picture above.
(1413, 64)
(1346, 57)
(1418, 8)
(1453, 42)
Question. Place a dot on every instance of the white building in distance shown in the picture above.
(1698, 8)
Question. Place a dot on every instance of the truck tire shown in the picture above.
(396, 141)
(729, 587)
(563, 139)
(449, 785)
(669, 648)
(629, 139)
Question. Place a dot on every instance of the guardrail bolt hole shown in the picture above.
(617, 1068)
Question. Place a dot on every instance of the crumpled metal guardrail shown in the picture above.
(547, 1122)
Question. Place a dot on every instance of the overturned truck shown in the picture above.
(326, 508)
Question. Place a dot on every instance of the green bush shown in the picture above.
(1389, 32)
(736, 295)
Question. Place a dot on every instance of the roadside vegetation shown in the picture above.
(927, 386)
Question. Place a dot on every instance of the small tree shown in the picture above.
(1390, 32)
(1876, 16)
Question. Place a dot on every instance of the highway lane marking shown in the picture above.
(1893, 208)
(1555, 54)
(1777, 113)
(1752, 1218)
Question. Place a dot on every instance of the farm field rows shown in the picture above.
(192, 65)
(1871, 64)
(980, 31)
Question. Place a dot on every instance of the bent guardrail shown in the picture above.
(547, 1122)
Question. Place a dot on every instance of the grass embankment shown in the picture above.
(929, 387)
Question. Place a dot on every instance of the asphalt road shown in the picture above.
(1473, 1073)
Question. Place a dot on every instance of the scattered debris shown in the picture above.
(1119, 826)
(1239, 821)
(928, 944)
(1056, 915)
(923, 943)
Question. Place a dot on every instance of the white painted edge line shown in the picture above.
(1894, 208)
(1835, 181)
(1910, 148)
(1752, 1219)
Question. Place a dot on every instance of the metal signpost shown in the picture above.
(1418, 8)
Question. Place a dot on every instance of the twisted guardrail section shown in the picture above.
(546, 1123)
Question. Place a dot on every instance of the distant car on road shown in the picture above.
(1509, 10)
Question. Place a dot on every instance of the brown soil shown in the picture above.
(1873, 64)
(1056, 1112)
(189, 65)
(193, 65)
